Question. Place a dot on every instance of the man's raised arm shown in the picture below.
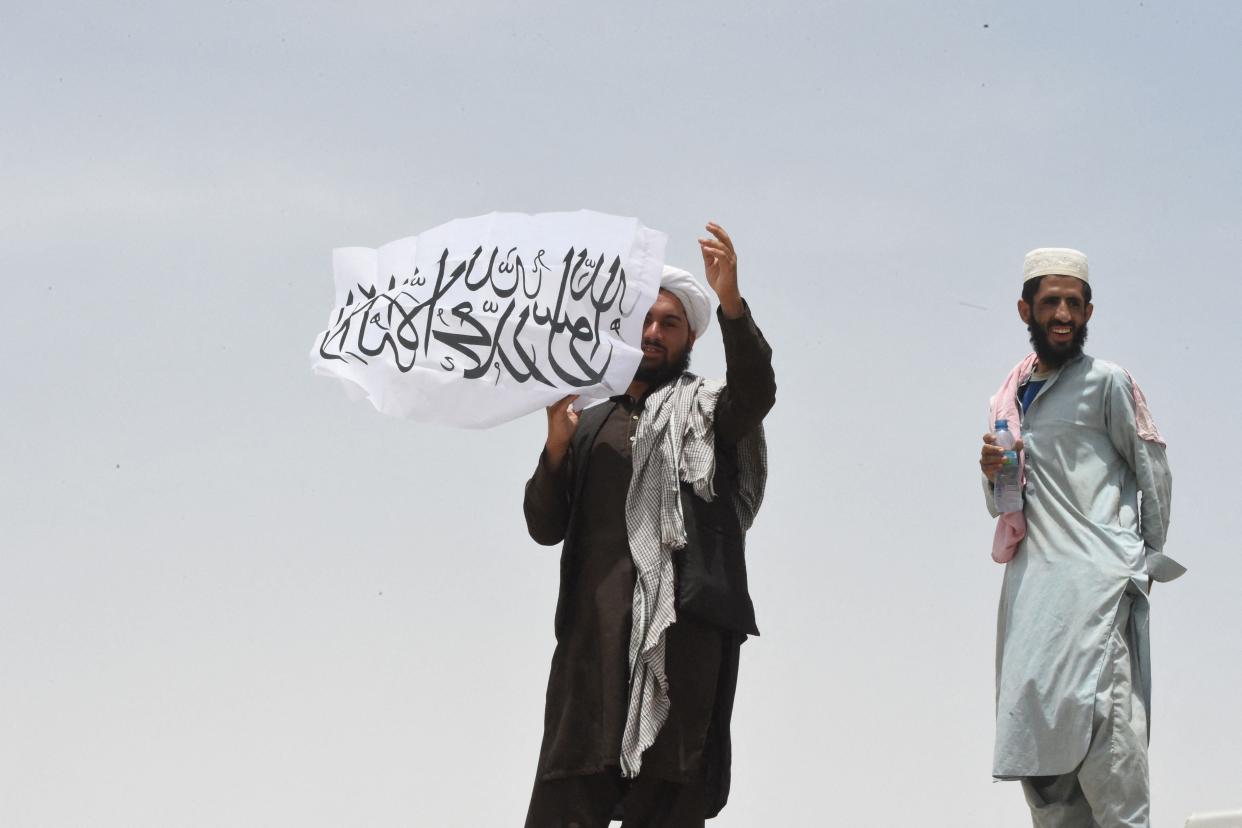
(750, 383)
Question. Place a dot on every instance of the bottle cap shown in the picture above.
(1002, 424)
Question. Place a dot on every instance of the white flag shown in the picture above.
(482, 320)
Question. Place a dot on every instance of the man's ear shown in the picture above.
(1090, 310)
(690, 341)
(1024, 311)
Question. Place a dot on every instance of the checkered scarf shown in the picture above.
(675, 441)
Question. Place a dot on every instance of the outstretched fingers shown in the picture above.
(719, 232)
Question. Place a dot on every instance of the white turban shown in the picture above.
(1054, 261)
(693, 298)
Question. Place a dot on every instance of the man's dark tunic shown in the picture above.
(589, 683)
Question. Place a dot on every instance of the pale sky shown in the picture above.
(231, 597)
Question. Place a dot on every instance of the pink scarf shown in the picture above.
(1011, 526)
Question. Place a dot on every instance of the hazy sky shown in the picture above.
(231, 597)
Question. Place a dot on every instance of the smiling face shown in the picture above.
(1057, 319)
(667, 340)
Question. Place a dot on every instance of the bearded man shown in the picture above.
(652, 492)
(1073, 677)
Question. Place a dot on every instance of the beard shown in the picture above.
(1052, 355)
(666, 369)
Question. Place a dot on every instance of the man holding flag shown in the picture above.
(651, 493)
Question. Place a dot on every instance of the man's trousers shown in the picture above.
(1110, 788)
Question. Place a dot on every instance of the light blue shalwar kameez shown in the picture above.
(1073, 679)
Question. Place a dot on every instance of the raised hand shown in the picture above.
(720, 268)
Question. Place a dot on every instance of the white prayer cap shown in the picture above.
(1054, 261)
(693, 298)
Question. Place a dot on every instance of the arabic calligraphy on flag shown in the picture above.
(482, 320)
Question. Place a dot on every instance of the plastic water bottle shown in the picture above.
(1007, 488)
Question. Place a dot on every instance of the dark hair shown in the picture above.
(1031, 287)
